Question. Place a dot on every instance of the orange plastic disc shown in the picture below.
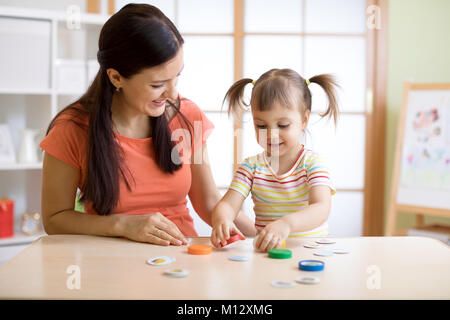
(199, 249)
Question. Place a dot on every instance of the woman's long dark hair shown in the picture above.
(138, 36)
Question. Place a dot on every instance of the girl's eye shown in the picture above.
(156, 86)
(283, 126)
(260, 126)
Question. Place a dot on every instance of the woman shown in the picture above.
(115, 143)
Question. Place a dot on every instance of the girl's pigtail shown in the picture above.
(329, 85)
(235, 97)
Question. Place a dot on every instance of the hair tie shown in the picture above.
(307, 82)
(253, 82)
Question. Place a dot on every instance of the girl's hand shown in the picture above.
(273, 235)
(221, 232)
(222, 218)
(152, 228)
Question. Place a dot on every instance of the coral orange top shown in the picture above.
(152, 189)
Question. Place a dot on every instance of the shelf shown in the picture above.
(26, 91)
(19, 238)
(32, 104)
(73, 93)
(60, 16)
(89, 18)
(21, 166)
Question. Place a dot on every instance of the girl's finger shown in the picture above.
(220, 236)
(273, 243)
(225, 234)
(214, 238)
(278, 244)
(260, 238)
(265, 242)
(235, 230)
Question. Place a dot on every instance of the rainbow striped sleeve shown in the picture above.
(243, 178)
(317, 173)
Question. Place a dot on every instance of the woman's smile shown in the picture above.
(159, 104)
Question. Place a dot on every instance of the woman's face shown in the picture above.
(147, 92)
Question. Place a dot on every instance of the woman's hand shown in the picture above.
(222, 229)
(152, 228)
(273, 235)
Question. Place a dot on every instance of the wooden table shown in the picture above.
(115, 268)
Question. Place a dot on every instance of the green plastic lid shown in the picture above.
(280, 253)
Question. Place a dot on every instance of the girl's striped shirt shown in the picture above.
(276, 196)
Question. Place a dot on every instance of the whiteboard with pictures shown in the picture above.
(424, 166)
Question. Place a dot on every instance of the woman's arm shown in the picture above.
(204, 194)
(59, 186)
(310, 217)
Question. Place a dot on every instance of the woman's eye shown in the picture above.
(283, 126)
(156, 86)
(260, 126)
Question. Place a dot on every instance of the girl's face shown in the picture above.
(278, 130)
(147, 92)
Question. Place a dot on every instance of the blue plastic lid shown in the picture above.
(311, 265)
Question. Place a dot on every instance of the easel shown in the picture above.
(394, 206)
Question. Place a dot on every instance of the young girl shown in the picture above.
(291, 187)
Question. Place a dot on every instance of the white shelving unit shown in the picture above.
(41, 59)
(21, 166)
(20, 239)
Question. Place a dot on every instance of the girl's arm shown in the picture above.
(59, 186)
(204, 194)
(315, 214)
